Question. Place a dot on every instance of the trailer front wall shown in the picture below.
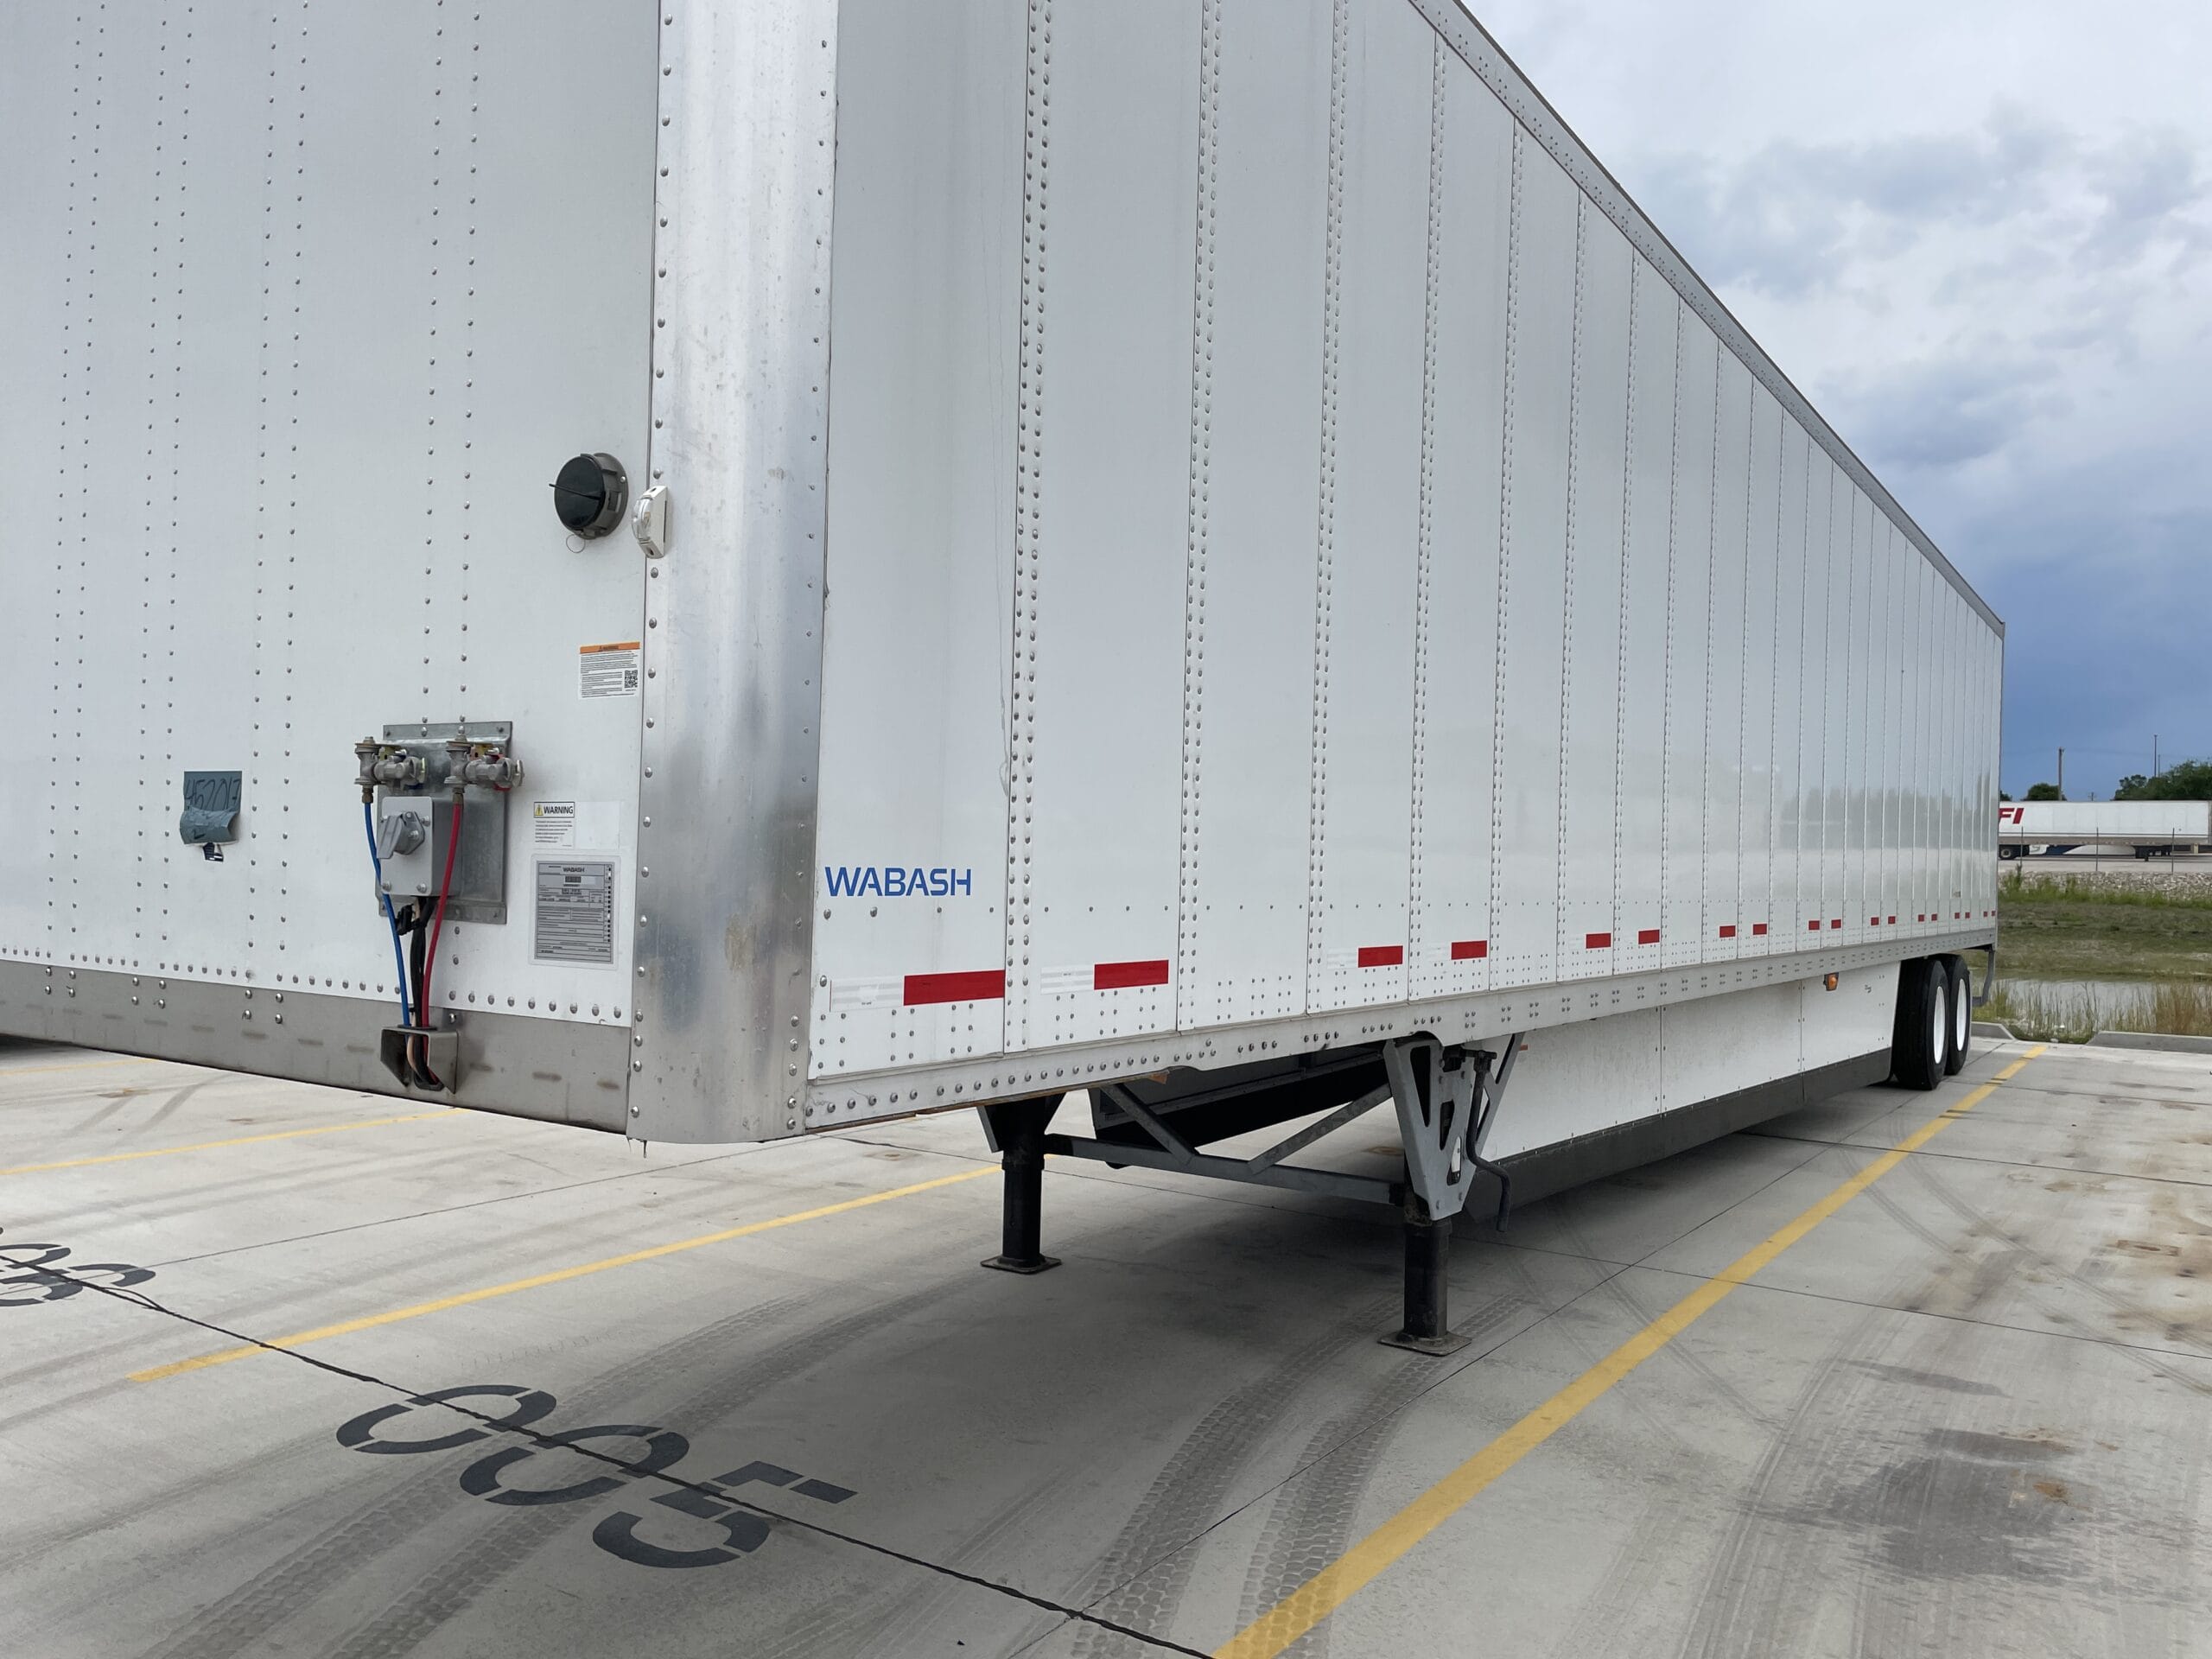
(304, 309)
(1370, 578)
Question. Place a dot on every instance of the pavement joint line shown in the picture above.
(559, 1275)
(543, 1441)
(1994, 1163)
(1830, 1296)
(236, 1140)
(1295, 1614)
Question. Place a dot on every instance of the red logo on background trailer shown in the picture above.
(2011, 814)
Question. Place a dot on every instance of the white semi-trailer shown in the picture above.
(2148, 828)
(723, 569)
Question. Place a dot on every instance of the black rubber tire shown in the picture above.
(1921, 1039)
(1961, 989)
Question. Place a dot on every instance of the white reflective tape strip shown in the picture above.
(885, 990)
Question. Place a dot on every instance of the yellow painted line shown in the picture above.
(1337, 1583)
(239, 1141)
(346, 1327)
(79, 1065)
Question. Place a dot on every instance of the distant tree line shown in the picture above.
(2189, 780)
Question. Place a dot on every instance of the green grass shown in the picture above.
(2068, 931)
(2015, 890)
(2072, 1014)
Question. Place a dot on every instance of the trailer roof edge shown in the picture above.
(1480, 52)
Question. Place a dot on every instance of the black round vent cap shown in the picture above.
(590, 494)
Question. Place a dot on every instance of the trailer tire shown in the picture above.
(1960, 987)
(1921, 1041)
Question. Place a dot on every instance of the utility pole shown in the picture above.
(2154, 754)
(2062, 774)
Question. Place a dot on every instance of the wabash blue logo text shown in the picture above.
(897, 881)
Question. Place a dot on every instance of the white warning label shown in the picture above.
(574, 908)
(553, 824)
(609, 671)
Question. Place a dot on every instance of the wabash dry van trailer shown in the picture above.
(720, 570)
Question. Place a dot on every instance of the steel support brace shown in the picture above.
(1017, 1129)
(1447, 1101)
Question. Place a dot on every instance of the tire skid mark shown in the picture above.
(1309, 1522)
(1752, 1605)
(1942, 1286)
(1131, 1582)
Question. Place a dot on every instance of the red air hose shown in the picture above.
(438, 918)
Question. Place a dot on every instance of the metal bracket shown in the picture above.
(1447, 1101)
(648, 521)
(405, 1050)
(1264, 1168)
(1988, 975)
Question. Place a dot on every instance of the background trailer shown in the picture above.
(721, 570)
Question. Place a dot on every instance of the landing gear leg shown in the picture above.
(1017, 1129)
(1447, 1098)
(1428, 1289)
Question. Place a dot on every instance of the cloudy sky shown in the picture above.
(1978, 235)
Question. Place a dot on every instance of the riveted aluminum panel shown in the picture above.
(1785, 909)
(114, 658)
(1933, 710)
(1856, 1017)
(46, 362)
(1264, 171)
(1889, 755)
(1474, 45)
(1689, 583)
(741, 393)
(1370, 527)
(437, 161)
(1532, 579)
(1839, 885)
(1640, 761)
(1725, 663)
(1992, 745)
(1715, 1047)
(1099, 644)
(1451, 925)
(1601, 1074)
(1590, 712)
(1817, 887)
(924, 312)
(1862, 718)
(331, 246)
(1756, 808)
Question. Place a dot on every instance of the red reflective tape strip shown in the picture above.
(1121, 976)
(1835, 921)
(1873, 921)
(955, 988)
(1893, 921)
(1381, 956)
(1812, 926)
(1728, 930)
(1647, 936)
(1470, 950)
(1922, 918)
(1597, 941)
(1759, 928)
